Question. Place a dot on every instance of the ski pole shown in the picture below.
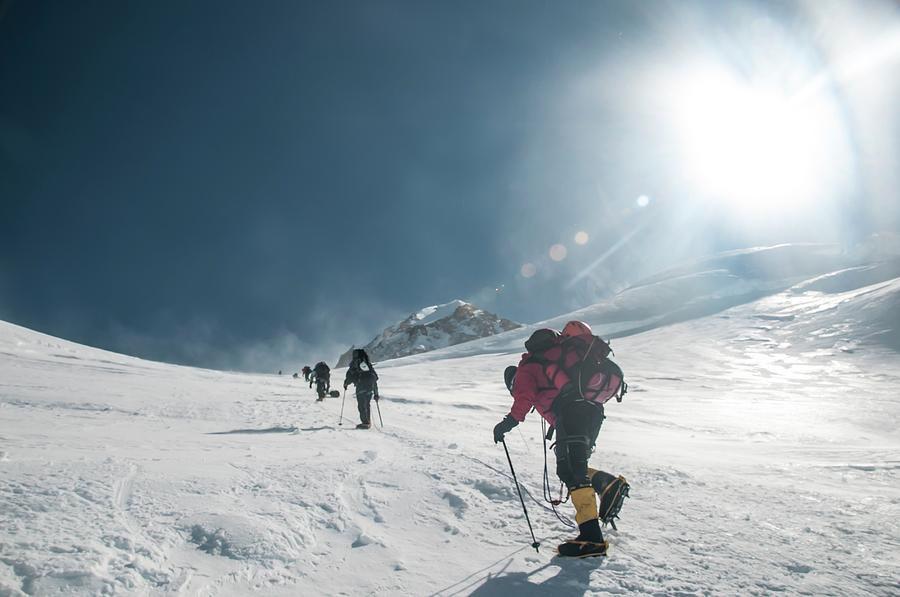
(380, 420)
(341, 421)
(534, 542)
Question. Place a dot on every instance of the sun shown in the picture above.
(750, 145)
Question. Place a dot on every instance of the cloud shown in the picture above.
(320, 333)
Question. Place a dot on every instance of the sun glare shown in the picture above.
(750, 145)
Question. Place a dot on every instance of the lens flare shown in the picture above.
(877, 54)
(581, 237)
(606, 255)
(558, 252)
(528, 270)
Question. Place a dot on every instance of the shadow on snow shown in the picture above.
(247, 431)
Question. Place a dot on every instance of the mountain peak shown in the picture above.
(437, 312)
(433, 327)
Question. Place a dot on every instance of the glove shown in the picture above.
(504, 427)
(376, 397)
(345, 385)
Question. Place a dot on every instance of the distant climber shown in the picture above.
(322, 373)
(361, 374)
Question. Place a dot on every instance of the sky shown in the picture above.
(256, 186)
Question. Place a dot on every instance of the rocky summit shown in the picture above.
(437, 326)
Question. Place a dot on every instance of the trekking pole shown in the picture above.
(380, 420)
(341, 421)
(534, 542)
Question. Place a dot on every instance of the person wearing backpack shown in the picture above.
(567, 377)
(307, 371)
(322, 374)
(366, 382)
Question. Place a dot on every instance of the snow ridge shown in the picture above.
(433, 327)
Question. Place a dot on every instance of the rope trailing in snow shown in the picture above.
(547, 492)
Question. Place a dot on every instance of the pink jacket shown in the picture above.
(534, 388)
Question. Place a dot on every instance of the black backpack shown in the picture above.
(359, 357)
(593, 376)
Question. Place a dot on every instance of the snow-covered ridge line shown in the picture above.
(431, 328)
(436, 312)
(742, 278)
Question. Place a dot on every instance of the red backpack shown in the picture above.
(579, 363)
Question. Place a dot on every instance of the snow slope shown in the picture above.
(705, 288)
(761, 443)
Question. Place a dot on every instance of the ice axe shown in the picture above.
(378, 407)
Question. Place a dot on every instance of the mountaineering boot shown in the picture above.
(582, 549)
(589, 542)
(612, 492)
(364, 426)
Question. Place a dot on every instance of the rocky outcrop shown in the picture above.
(433, 327)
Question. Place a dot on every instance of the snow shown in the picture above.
(437, 326)
(437, 312)
(759, 437)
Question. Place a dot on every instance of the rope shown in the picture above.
(547, 495)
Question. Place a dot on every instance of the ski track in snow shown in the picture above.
(763, 459)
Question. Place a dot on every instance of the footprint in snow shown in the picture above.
(364, 540)
(492, 491)
(368, 456)
(458, 504)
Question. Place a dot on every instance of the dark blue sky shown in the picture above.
(244, 185)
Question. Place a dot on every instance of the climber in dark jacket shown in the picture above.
(322, 374)
(363, 376)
